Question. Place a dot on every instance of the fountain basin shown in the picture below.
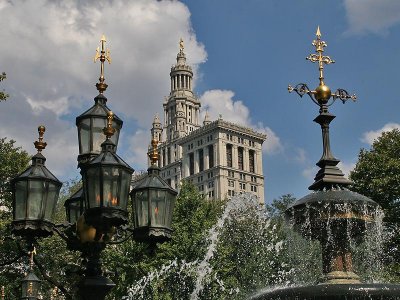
(361, 291)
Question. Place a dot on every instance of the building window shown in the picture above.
(251, 161)
(211, 184)
(253, 188)
(242, 186)
(201, 188)
(201, 160)
(200, 179)
(191, 163)
(231, 183)
(229, 155)
(210, 156)
(253, 179)
(240, 158)
(231, 174)
(242, 176)
(169, 181)
(169, 155)
(210, 175)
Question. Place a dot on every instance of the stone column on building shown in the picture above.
(206, 158)
(235, 157)
(246, 165)
(196, 161)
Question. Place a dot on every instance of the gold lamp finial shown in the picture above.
(181, 46)
(3, 293)
(39, 144)
(153, 154)
(102, 54)
(31, 254)
(109, 130)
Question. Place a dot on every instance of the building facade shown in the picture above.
(219, 157)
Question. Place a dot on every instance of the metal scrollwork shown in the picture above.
(343, 95)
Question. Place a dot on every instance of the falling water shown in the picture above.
(199, 274)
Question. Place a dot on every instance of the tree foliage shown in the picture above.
(377, 176)
(3, 94)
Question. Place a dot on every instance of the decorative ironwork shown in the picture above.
(329, 175)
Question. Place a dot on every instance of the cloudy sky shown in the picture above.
(244, 54)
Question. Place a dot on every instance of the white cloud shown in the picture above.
(309, 173)
(371, 15)
(138, 146)
(370, 136)
(346, 167)
(51, 74)
(300, 155)
(221, 102)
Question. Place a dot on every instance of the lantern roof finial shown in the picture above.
(109, 130)
(39, 144)
(102, 54)
(31, 254)
(153, 154)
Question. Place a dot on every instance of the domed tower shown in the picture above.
(181, 96)
(156, 130)
(206, 119)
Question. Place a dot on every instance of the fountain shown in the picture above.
(331, 214)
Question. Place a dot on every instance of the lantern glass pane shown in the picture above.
(124, 193)
(36, 193)
(74, 212)
(20, 199)
(111, 176)
(93, 187)
(84, 136)
(30, 288)
(115, 137)
(141, 209)
(98, 135)
(51, 201)
(169, 209)
(157, 198)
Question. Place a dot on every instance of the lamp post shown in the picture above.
(99, 209)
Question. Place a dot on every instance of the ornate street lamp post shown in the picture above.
(99, 209)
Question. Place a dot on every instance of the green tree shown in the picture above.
(377, 176)
(3, 95)
(13, 160)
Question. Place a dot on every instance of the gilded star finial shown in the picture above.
(153, 154)
(181, 46)
(102, 54)
(39, 144)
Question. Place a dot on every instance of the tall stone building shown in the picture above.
(221, 158)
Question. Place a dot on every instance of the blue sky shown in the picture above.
(245, 53)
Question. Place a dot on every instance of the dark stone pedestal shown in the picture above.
(334, 292)
(95, 287)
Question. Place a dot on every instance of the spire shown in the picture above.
(206, 119)
(102, 55)
(39, 144)
(156, 120)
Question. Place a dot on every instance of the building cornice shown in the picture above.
(223, 125)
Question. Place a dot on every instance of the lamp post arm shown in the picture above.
(122, 235)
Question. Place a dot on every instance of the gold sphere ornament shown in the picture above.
(323, 93)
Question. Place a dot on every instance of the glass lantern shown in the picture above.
(90, 129)
(35, 193)
(30, 287)
(106, 183)
(74, 206)
(153, 203)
